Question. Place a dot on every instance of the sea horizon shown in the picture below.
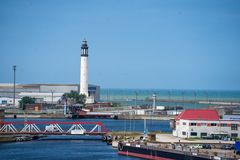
(177, 94)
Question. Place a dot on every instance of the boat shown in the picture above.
(78, 112)
(154, 153)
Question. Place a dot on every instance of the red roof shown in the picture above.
(199, 114)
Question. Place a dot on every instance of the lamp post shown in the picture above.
(52, 98)
(64, 98)
(195, 99)
(154, 101)
(183, 96)
(136, 94)
(207, 97)
(107, 95)
(169, 96)
(14, 81)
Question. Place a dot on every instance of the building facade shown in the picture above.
(205, 124)
(5, 101)
(44, 93)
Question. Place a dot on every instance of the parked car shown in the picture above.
(206, 146)
(227, 146)
(51, 128)
(197, 146)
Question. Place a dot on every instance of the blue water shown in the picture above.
(59, 150)
(170, 94)
(75, 149)
(128, 96)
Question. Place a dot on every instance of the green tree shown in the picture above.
(26, 100)
(75, 97)
(116, 104)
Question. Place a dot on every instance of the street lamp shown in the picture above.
(195, 99)
(14, 81)
(52, 97)
(183, 96)
(136, 94)
(207, 97)
(154, 101)
(169, 96)
(64, 98)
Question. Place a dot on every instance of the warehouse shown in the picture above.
(44, 93)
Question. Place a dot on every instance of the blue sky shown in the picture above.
(164, 44)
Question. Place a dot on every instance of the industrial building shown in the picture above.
(204, 123)
(44, 93)
(51, 93)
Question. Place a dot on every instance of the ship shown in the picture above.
(79, 112)
(154, 153)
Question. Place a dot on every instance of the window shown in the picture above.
(203, 124)
(234, 135)
(193, 124)
(4, 102)
(184, 123)
(213, 124)
(184, 133)
(193, 134)
(234, 127)
(223, 125)
(203, 134)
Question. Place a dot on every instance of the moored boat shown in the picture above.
(154, 153)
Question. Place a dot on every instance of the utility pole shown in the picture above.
(154, 101)
(52, 98)
(183, 96)
(207, 97)
(107, 95)
(14, 81)
(136, 94)
(195, 99)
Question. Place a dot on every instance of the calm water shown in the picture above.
(75, 149)
(142, 94)
(59, 150)
(128, 96)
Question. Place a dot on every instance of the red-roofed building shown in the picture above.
(204, 123)
(203, 114)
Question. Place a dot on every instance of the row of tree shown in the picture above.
(72, 98)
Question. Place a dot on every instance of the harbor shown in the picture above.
(127, 80)
(135, 129)
(132, 133)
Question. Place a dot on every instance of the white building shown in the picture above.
(43, 97)
(5, 101)
(43, 92)
(204, 123)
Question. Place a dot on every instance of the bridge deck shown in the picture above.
(52, 128)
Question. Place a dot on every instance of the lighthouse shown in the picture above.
(84, 69)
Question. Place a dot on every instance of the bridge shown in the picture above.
(52, 128)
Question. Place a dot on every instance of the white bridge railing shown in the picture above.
(52, 127)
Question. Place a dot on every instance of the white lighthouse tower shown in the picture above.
(84, 69)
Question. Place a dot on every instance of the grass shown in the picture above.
(160, 132)
(193, 138)
(125, 133)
